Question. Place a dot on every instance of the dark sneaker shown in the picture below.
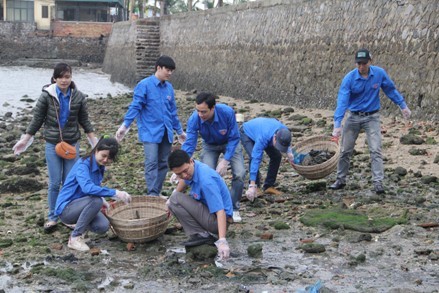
(337, 185)
(197, 240)
(379, 189)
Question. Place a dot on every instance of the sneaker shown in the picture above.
(379, 189)
(70, 226)
(272, 190)
(78, 243)
(337, 185)
(236, 217)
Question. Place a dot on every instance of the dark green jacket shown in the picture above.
(44, 113)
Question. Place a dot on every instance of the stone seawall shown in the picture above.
(296, 52)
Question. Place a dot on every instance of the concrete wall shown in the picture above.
(296, 52)
(81, 29)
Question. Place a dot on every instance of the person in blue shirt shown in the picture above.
(216, 123)
(359, 93)
(155, 109)
(81, 198)
(269, 135)
(206, 209)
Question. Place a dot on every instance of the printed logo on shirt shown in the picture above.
(375, 86)
(169, 98)
(195, 196)
(223, 131)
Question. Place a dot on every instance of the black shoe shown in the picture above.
(197, 240)
(379, 189)
(337, 185)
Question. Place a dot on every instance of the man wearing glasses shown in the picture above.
(359, 93)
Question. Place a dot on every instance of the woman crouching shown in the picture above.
(81, 198)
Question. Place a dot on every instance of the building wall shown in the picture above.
(81, 29)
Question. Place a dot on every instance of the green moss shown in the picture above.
(281, 226)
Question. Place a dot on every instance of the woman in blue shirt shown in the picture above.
(81, 197)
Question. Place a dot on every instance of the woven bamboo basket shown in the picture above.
(318, 143)
(143, 220)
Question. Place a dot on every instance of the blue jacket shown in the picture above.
(362, 94)
(155, 109)
(261, 130)
(222, 130)
(81, 182)
(209, 187)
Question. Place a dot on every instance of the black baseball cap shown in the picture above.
(362, 55)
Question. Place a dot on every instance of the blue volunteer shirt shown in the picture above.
(64, 106)
(222, 130)
(362, 94)
(261, 130)
(81, 182)
(208, 187)
(155, 108)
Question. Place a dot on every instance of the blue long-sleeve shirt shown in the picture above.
(82, 180)
(208, 187)
(361, 94)
(261, 130)
(223, 129)
(155, 108)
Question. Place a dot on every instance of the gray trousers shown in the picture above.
(193, 215)
(372, 126)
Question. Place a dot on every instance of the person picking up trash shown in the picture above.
(81, 197)
(206, 209)
(269, 135)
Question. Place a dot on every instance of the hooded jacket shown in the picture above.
(44, 113)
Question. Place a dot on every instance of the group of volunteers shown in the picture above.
(201, 201)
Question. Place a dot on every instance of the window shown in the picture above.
(45, 11)
(20, 10)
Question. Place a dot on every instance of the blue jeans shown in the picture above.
(353, 125)
(210, 154)
(58, 169)
(156, 164)
(86, 213)
(273, 166)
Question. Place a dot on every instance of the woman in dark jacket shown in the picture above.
(60, 106)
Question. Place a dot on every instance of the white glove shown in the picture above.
(123, 196)
(290, 155)
(174, 179)
(22, 145)
(336, 132)
(222, 167)
(121, 132)
(251, 192)
(182, 137)
(105, 203)
(223, 248)
(93, 141)
(406, 113)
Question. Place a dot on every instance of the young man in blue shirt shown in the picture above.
(359, 93)
(207, 208)
(155, 109)
(269, 135)
(216, 123)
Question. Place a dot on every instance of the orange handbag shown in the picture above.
(65, 150)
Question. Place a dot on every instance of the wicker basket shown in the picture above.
(322, 170)
(143, 220)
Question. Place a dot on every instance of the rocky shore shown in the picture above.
(351, 240)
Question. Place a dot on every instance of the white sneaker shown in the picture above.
(236, 217)
(78, 243)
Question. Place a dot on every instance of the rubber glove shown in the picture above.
(22, 145)
(121, 132)
(93, 141)
(182, 137)
(222, 167)
(406, 113)
(174, 179)
(251, 192)
(290, 155)
(336, 133)
(123, 196)
(223, 248)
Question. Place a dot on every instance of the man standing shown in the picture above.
(216, 123)
(156, 111)
(206, 209)
(269, 135)
(359, 93)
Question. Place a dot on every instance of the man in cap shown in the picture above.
(359, 93)
(155, 109)
(269, 135)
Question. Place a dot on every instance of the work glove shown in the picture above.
(406, 113)
(251, 192)
(182, 137)
(93, 141)
(290, 155)
(123, 196)
(223, 248)
(121, 132)
(174, 178)
(22, 145)
(336, 133)
(222, 167)
(105, 203)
